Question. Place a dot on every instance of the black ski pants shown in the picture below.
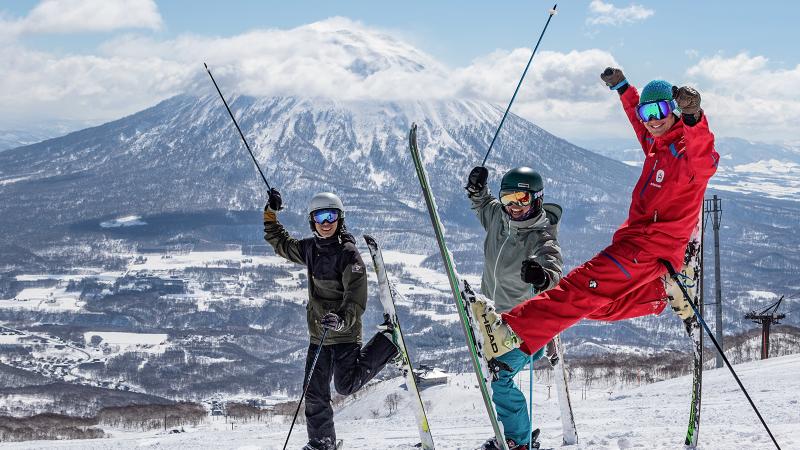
(351, 367)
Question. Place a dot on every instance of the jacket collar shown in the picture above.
(528, 224)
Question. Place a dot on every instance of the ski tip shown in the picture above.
(369, 239)
(205, 65)
(412, 136)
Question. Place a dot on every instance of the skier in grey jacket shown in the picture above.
(522, 258)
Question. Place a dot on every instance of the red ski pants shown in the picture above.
(620, 282)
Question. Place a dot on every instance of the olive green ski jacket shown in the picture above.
(337, 278)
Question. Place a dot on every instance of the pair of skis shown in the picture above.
(386, 296)
(463, 295)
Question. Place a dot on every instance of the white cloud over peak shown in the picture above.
(76, 16)
(743, 94)
(336, 58)
(342, 59)
(602, 13)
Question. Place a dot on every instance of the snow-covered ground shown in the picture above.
(645, 417)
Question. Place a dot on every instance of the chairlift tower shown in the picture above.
(713, 207)
(766, 318)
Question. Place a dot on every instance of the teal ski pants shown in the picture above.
(510, 403)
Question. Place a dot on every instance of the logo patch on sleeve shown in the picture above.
(592, 284)
(357, 268)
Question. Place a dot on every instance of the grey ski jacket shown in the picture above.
(509, 242)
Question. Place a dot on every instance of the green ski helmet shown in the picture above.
(524, 179)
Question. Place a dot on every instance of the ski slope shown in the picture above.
(645, 417)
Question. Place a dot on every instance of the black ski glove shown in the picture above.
(476, 180)
(274, 202)
(332, 321)
(688, 100)
(614, 79)
(533, 273)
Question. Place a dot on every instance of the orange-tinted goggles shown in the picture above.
(518, 198)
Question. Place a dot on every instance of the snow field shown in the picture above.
(647, 417)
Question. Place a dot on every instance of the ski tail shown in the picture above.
(691, 276)
(568, 428)
(457, 288)
(385, 293)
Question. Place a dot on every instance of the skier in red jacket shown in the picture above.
(626, 279)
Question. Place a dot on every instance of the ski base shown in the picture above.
(568, 428)
(457, 288)
(386, 296)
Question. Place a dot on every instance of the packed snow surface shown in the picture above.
(651, 416)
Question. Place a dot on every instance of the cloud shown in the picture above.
(743, 94)
(602, 13)
(77, 16)
(338, 58)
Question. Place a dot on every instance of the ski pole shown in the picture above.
(530, 392)
(676, 278)
(237, 126)
(552, 13)
(530, 400)
(308, 383)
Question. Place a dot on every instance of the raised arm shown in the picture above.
(486, 207)
(698, 138)
(629, 96)
(274, 233)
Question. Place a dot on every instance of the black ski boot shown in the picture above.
(326, 443)
(492, 444)
(387, 328)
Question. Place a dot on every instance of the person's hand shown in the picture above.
(533, 273)
(613, 77)
(476, 180)
(274, 202)
(332, 321)
(688, 100)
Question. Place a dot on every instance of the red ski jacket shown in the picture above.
(667, 200)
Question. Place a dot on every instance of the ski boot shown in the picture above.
(326, 443)
(676, 297)
(498, 337)
(492, 444)
(387, 328)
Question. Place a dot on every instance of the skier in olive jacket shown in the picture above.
(626, 279)
(337, 298)
(522, 257)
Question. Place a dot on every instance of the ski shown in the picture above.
(386, 296)
(462, 293)
(691, 275)
(569, 431)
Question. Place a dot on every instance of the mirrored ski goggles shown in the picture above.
(654, 110)
(321, 216)
(517, 198)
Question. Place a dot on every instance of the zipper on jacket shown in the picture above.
(649, 177)
(655, 216)
(499, 253)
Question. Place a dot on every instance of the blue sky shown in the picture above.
(699, 42)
